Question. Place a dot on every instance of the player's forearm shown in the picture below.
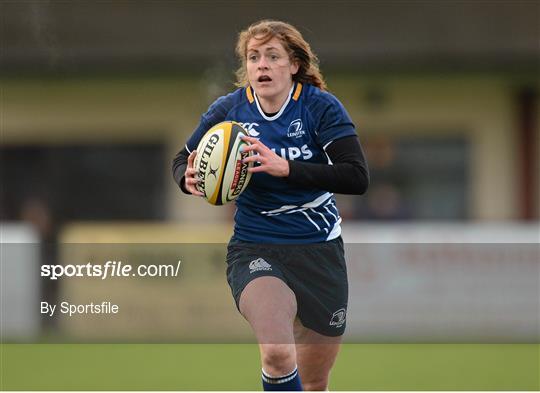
(349, 173)
(179, 166)
(341, 178)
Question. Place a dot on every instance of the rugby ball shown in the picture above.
(222, 175)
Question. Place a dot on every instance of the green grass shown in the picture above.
(236, 367)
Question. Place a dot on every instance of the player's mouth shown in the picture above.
(264, 79)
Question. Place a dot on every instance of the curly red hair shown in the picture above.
(293, 42)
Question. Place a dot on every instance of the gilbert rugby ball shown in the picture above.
(222, 175)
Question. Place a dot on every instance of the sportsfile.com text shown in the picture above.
(109, 269)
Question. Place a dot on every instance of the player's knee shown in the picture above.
(315, 385)
(278, 359)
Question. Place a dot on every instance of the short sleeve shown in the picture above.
(216, 113)
(334, 121)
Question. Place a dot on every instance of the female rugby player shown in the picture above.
(285, 261)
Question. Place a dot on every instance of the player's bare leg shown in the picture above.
(269, 306)
(315, 355)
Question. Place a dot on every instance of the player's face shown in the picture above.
(269, 69)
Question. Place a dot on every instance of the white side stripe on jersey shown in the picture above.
(310, 220)
(328, 144)
(332, 204)
(326, 154)
(336, 231)
(187, 148)
(328, 210)
(322, 215)
(288, 208)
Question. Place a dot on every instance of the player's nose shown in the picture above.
(263, 64)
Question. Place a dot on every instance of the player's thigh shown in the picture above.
(269, 305)
(315, 355)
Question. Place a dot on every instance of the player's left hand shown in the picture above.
(269, 161)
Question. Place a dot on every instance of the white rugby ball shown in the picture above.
(222, 175)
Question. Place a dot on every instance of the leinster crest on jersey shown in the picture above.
(296, 129)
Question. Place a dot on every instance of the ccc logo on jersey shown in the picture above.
(250, 128)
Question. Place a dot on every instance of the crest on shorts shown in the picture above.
(338, 318)
(258, 265)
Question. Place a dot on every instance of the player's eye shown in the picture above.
(252, 57)
(274, 57)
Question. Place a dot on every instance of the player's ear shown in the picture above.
(295, 66)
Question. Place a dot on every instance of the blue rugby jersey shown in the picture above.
(270, 210)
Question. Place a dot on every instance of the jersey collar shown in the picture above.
(295, 92)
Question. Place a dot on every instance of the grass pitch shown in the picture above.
(236, 367)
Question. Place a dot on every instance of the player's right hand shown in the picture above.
(190, 176)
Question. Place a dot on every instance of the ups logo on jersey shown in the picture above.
(292, 153)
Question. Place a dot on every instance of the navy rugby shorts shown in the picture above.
(316, 273)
